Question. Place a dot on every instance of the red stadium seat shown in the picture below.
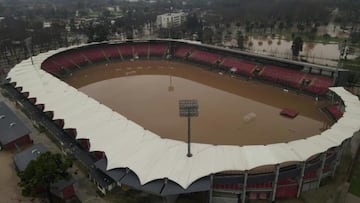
(112, 52)
(204, 57)
(310, 175)
(141, 50)
(77, 58)
(263, 195)
(51, 67)
(126, 51)
(286, 182)
(63, 61)
(182, 51)
(94, 54)
(315, 84)
(158, 49)
(318, 84)
(253, 196)
(241, 67)
(290, 113)
(283, 76)
(334, 111)
(286, 191)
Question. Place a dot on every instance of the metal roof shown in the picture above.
(11, 127)
(22, 159)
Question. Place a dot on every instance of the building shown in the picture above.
(46, 24)
(13, 132)
(22, 159)
(169, 20)
(63, 189)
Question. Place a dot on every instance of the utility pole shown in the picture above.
(28, 47)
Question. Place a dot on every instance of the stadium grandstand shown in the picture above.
(144, 161)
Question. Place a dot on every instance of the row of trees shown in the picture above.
(258, 16)
(13, 33)
(279, 10)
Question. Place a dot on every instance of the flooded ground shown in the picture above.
(313, 52)
(232, 111)
(325, 54)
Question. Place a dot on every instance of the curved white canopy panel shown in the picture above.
(129, 145)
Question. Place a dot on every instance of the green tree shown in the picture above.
(207, 35)
(297, 46)
(281, 26)
(97, 33)
(101, 33)
(192, 23)
(1, 8)
(327, 37)
(300, 27)
(240, 40)
(47, 169)
(354, 37)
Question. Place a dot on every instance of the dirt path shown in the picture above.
(9, 190)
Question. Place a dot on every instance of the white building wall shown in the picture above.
(168, 20)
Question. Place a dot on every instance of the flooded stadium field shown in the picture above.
(232, 111)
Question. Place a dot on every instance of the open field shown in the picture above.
(9, 190)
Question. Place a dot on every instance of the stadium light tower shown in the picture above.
(28, 44)
(188, 108)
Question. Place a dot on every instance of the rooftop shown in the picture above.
(11, 127)
(22, 159)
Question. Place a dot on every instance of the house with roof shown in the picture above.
(13, 132)
(22, 159)
(63, 189)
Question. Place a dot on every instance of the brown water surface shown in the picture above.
(232, 111)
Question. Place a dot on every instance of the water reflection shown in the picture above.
(171, 88)
(234, 111)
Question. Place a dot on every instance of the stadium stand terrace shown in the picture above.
(204, 57)
(312, 83)
(159, 166)
(240, 67)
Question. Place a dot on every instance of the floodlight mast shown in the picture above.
(28, 44)
(188, 108)
(189, 151)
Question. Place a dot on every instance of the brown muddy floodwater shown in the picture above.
(232, 111)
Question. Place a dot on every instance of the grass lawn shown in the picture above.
(355, 180)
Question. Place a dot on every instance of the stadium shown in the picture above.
(120, 152)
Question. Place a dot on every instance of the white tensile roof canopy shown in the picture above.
(128, 145)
